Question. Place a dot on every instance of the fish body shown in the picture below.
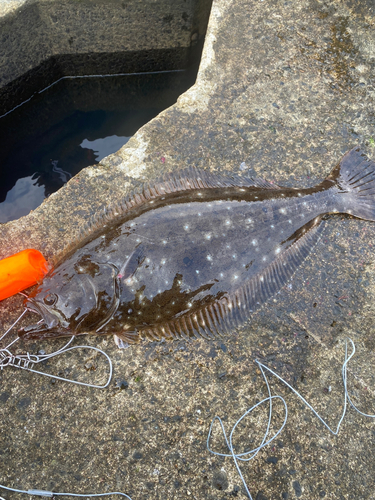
(193, 255)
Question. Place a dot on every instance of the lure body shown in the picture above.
(20, 271)
(193, 255)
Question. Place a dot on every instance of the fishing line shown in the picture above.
(52, 494)
(27, 361)
(14, 324)
(250, 455)
(68, 77)
(24, 361)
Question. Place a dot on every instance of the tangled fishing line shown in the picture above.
(250, 455)
(27, 362)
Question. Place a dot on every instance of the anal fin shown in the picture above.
(255, 292)
(123, 338)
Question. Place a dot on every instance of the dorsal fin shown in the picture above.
(189, 179)
(222, 316)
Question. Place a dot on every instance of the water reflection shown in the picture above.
(24, 196)
(72, 125)
(105, 146)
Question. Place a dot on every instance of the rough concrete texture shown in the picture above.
(285, 88)
(31, 31)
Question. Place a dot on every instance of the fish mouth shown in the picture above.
(51, 324)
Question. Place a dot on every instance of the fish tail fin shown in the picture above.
(355, 177)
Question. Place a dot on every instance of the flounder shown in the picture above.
(192, 255)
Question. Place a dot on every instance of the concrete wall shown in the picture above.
(32, 32)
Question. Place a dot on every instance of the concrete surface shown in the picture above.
(284, 89)
(54, 34)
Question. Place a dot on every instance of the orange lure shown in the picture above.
(21, 270)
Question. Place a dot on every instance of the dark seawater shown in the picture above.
(73, 124)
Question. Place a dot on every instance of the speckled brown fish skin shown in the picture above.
(193, 255)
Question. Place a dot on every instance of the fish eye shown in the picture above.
(50, 299)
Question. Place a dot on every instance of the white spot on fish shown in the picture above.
(197, 271)
(282, 210)
(209, 257)
(208, 236)
(254, 242)
(278, 250)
